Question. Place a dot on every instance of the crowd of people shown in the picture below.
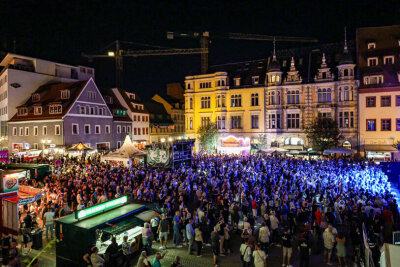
(268, 201)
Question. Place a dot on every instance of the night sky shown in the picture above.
(62, 30)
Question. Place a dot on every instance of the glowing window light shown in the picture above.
(101, 207)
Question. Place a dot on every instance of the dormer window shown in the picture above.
(275, 78)
(37, 110)
(55, 109)
(255, 80)
(237, 81)
(108, 99)
(35, 97)
(22, 111)
(371, 45)
(324, 75)
(132, 96)
(65, 94)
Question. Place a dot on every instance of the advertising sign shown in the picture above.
(10, 182)
(158, 158)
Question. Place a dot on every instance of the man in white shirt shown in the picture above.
(260, 259)
(245, 251)
(96, 259)
(48, 218)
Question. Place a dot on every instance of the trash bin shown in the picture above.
(37, 242)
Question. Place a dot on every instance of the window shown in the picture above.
(134, 117)
(188, 86)
(87, 128)
(118, 144)
(64, 94)
(55, 109)
(293, 121)
(397, 124)
(44, 130)
(97, 129)
(82, 110)
(26, 131)
(108, 129)
(37, 110)
(371, 101)
(205, 121)
(128, 129)
(138, 131)
(22, 111)
(142, 118)
(274, 98)
(236, 100)
(293, 97)
(397, 100)
(255, 80)
(374, 79)
(92, 96)
(147, 130)
(119, 129)
(275, 79)
(347, 144)
(35, 146)
(138, 118)
(236, 122)
(388, 60)
(205, 102)
(385, 101)
(254, 121)
(324, 95)
(35, 131)
(220, 101)
(35, 97)
(92, 111)
(346, 119)
(274, 121)
(134, 131)
(75, 129)
(124, 129)
(221, 122)
(205, 85)
(372, 61)
(191, 123)
(254, 99)
(371, 45)
(236, 81)
(143, 130)
(21, 131)
(348, 93)
(386, 124)
(57, 130)
(14, 131)
(190, 103)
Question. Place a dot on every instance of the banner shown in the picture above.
(158, 158)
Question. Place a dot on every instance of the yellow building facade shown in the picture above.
(237, 111)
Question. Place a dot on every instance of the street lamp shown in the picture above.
(162, 140)
(170, 139)
(111, 53)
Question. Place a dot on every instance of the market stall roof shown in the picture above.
(80, 147)
(126, 151)
(102, 217)
(338, 150)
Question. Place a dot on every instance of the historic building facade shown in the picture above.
(379, 100)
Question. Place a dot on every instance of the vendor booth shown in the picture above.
(96, 225)
(33, 171)
(127, 154)
(234, 145)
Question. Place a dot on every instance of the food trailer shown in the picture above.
(96, 225)
(33, 171)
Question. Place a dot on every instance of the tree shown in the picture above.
(262, 141)
(397, 145)
(323, 134)
(208, 137)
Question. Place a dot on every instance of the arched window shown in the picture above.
(347, 144)
(278, 98)
(346, 93)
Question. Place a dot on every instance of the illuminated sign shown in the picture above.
(232, 141)
(100, 208)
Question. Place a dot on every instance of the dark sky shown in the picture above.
(61, 30)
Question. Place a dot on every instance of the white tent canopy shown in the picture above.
(338, 150)
(124, 153)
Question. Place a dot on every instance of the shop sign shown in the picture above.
(10, 182)
(100, 208)
(232, 141)
(27, 200)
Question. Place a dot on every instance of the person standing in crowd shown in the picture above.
(146, 237)
(287, 247)
(259, 256)
(215, 240)
(112, 253)
(163, 229)
(177, 228)
(154, 226)
(198, 237)
(304, 249)
(329, 241)
(245, 252)
(274, 227)
(143, 261)
(263, 237)
(96, 259)
(341, 248)
(190, 235)
(157, 258)
(48, 221)
(126, 251)
(254, 207)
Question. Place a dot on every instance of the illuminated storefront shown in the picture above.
(234, 145)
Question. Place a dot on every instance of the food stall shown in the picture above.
(96, 225)
(33, 171)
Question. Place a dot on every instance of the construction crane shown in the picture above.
(118, 54)
(204, 38)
